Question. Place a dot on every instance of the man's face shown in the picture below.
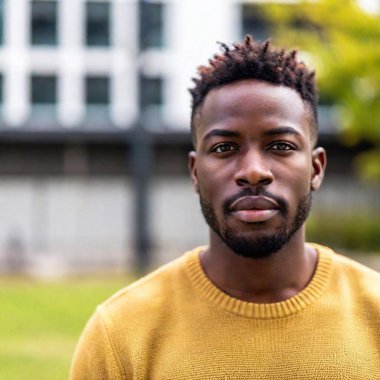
(254, 167)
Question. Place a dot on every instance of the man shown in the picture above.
(257, 302)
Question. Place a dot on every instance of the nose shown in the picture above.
(253, 170)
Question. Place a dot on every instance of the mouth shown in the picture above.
(254, 209)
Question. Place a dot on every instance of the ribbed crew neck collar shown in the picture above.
(282, 309)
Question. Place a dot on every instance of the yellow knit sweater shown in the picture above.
(175, 324)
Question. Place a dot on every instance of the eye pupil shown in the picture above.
(223, 148)
(281, 146)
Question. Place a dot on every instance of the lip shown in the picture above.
(254, 202)
(254, 209)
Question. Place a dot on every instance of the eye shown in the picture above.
(283, 146)
(223, 148)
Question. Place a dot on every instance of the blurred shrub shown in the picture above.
(352, 231)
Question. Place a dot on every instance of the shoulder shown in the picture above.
(124, 324)
(153, 294)
(366, 280)
(354, 277)
(362, 274)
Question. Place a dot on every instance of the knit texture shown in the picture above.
(176, 324)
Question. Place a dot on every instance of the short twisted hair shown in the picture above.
(251, 59)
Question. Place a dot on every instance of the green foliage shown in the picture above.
(353, 231)
(342, 41)
(368, 163)
(41, 323)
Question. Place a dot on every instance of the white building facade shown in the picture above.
(70, 48)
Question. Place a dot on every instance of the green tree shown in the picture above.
(342, 41)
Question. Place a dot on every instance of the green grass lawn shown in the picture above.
(40, 323)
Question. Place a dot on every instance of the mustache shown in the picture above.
(258, 191)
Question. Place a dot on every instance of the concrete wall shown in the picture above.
(58, 225)
(52, 224)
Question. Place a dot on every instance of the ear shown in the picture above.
(319, 160)
(192, 164)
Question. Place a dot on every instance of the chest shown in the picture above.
(226, 349)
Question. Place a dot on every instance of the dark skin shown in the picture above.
(255, 134)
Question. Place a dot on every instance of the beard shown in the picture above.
(257, 245)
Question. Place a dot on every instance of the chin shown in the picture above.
(258, 247)
(255, 229)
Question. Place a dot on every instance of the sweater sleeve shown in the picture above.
(95, 357)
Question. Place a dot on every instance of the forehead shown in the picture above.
(256, 103)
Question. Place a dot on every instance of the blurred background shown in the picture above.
(94, 135)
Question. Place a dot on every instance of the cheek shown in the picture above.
(301, 179)
(211, 183)
(303, 189)
(295, 178)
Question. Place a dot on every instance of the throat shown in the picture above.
(261, 281)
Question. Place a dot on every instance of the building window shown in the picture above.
(97, 23)
(1, 21)
(1, 90)
(43, 98)
(151, 91)
(151, 25)
(43, 90)
(97, 91)
(97, 100)
(43, 23)
(1, 95)
(254, 22)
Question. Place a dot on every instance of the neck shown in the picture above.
(273, 279)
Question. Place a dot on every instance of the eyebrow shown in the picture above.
(282, 131)
(221, 132)
(271, 132)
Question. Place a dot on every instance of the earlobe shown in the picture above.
(192, 158)
(319, 160)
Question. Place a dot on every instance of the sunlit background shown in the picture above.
(94, 135)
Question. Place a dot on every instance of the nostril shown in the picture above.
(251, 182)
(242, 182)
(253, 171)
